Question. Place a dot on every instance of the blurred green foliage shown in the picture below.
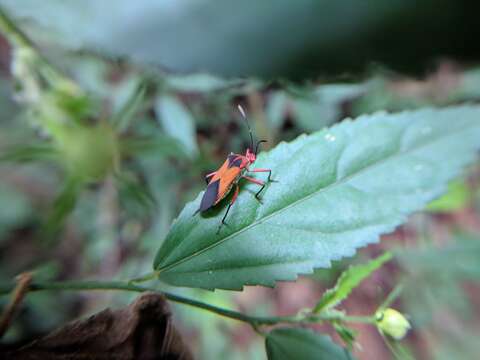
(142, 146)
(273, 39)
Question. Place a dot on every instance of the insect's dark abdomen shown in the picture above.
(210, 196)
(231, 158)
(234, 160)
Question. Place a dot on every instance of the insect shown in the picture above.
(235, 168)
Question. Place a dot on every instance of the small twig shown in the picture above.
(19, 292)
(19, 40)
(12, 32)
(394, 294)
(258, 330)
(147, 277)
(254, 321)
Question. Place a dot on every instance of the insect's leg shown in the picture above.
(234, 198)
(253, 180)
(264, 170)
(258, 182)
(208, 176)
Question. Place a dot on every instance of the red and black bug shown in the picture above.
(235, 168)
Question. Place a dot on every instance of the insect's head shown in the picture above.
(250, 155)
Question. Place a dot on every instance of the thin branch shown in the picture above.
(147, 277)
(12, 32)
(19, 293)
(18, 39)
(394, 294)
(254, 321)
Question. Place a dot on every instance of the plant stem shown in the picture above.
(254, 321)
(394, 294)
(18, 294)
(18, 39)
(147, 277)
(12, 32)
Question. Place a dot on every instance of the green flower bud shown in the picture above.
(392, 323)
(89, 153)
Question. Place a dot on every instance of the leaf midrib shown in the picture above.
(319, 191)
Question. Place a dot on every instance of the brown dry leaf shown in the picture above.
(143, 330)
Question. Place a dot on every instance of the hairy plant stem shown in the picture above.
(254, 321)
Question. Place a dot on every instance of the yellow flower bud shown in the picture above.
(392, 323)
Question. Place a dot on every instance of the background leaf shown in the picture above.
(435, 276)
(435, 261)
(28, 153)
(18, 210)
(349, 280)
(126, 114)
(63, 205)
(199, 83)
(338, 189)
(256, 38)
(323, 106)
(456, 198)
(177, 122)
(302, 344)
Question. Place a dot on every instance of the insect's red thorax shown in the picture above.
(251, 157)
(245, 161)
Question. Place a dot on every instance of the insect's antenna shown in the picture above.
(258, 143)
(242, 112)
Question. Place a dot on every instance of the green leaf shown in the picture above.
(435, 263)
(29, 153)
(337, 190)
(199, 83)
(456, 198)
(276, 109)
(347, 334)
(126, 114)
(302, 344)
(349, 280)
(158, 144)
(323, 106)
(131, 188)
(177, 122)
(311, 115)
(63, 205)
(434, 278)
(17, 210)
